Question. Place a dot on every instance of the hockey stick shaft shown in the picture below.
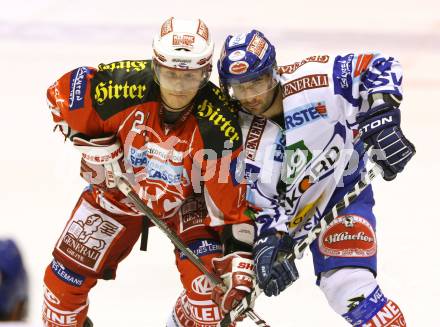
(299, 248)
(126, 189)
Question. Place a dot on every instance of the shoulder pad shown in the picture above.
(122, 84)
(217, 119)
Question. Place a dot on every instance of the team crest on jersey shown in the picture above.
(348, 236)
(88, 236)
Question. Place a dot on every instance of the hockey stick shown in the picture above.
(126, 189)
(299, 248)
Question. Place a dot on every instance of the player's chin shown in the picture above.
(179, 100)
(255, 110)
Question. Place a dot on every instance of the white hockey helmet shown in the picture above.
(183, 44)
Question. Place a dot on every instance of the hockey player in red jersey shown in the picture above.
(172, 134)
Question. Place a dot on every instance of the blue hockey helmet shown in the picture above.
(13, 282)
(245, 57)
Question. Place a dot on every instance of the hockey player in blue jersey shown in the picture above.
(330, 107)
(13, 283)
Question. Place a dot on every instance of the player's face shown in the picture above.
(177, 86)
(256, 95)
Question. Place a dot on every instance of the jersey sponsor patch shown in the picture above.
(119, 85)
(203, 247)
(124, 65)
(66, 275)
(305, 114)
(192, 212)
(78, 85)
(389, 316)
(201, 285)
(304, 213)
(189, 312)
(297, 157)
(376, 311)
(163, 153)
(88, 236)
(319, 168)
(254, 137)
(305, 83)
(342, 77)
(218, 121)
(56, 317)
(289, 69)
(348, 236)
(382, 77)
(366, 308)
(158, 170)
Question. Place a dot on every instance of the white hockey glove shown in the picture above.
(237, 271)
(101, 160)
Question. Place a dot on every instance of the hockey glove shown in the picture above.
(237, 272)
(380, 128)
(273, 271)
(101, 160)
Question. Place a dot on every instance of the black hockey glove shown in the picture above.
(380, 128)
(273, 271)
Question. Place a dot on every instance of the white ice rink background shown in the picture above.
(40, 40)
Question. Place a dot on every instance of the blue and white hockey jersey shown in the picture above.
(322, 96)
(263, 153)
